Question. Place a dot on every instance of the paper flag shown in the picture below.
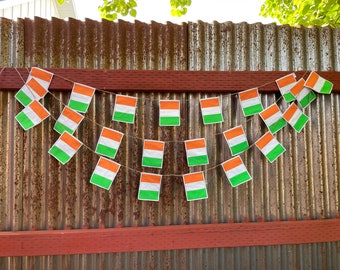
(125, 109)
(272, 117)
(32, 115)
(104, 173)
(81, 97)
(295, 117)
(109, 142)
(153, 152)
(196, 152)
(236, 139)
(36, 86)
(149, 187)
(318, 84)
(65, 147)
(169, 113)
(285, 84)
(68, 120)
(303, 95)
(270, 146)
(211, 110)
(195, 186)
(250, 102)
(236, 171)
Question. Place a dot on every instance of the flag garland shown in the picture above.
(236, 171)
(295, 117)
(236, 139)
(195, 186)
(153, 152)
(196, 152)
(272, 117)
(169, 113)
(318, 83)
(270, 146)
(68, 120)
(285, 84)
(250, 102)
(32, 115)
(124, 109)
(81, 97)
(149, 187)
(104, 173)
(303, 95)
(211, 110)
(109, 142)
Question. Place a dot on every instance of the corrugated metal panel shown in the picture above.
(36, 192)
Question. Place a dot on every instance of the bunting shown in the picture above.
(104, 173)
(65, 148)
(196, 152)
(272, 117)
(153, 152)
(236, 139)
(285, 84)
(149, 187)
(295, 117)
(270, 146)
(109, 142)
(195, 186)
(81, 97)
(303, 95)
(68, 120)
(318, 84)
(32, 115)
(125, 109)
(236, 171)
(211, 110)
(169, 113)
(250, 102)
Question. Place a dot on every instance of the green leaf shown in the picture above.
(133, 13)
(60, 2)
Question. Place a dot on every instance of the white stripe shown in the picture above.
(295, 117)
(152, 153)
(236, 171)
(285, 89)
(43, 83)
(149, 186)
(319, 84)
(65, 147)
(32, 115)
(169, 113)
(67, 122)
(250, 102)
(108, 142)
(237, 140)
(273, 118)
(269, 147)
(124, 109)
(27, 90)
(80, 98)
(105, 173)
(211, 110)
(197, 152)
(304, 92)
(195, 186)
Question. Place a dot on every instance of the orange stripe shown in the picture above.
(169, 105)
(74, 116)
(154, 145)
(83, 89)
(39, 109)
(290, 112)
(232, 163)
(150, 178)
(268, 112)
(296, 89)
(37, 87)
(286, 80)
(264, 140)
(41, 74)
(111, 134)
(194, 177)
(126, 100)
(312, 79)
(70, 140)
(248, 94)
(199, 143)
(210, 102)
(108, 164)
(232, 133)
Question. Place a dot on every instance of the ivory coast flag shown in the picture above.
(104, 173)
(125, 109)
(302, 94)
(169, 113)
(236, 171)
(32, 115)
(250, 102)
(81, 97)
(211, 110)
(68, 120)
(295, 117)
(236, 139)
(285, 84)
(109, 142)
(270, 146)
(153, 152)
(196, 152)
(195, 186)
(318, 84)
(65, 147)
(149, 187)
(36, 86)
(272, 117)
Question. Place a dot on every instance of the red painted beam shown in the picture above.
(160, 80)
(91, 241)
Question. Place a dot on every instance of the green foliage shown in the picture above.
(303, 12)
(179, 7)
(60, 2)
(110, 9)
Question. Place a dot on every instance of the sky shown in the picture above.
(208, 11)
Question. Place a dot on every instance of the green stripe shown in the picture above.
(78, 106)
(212, 118)
(124, 117)
(305, 101)
(277, 125)
(326, 88)
(252, 110)
(275, 153)
(23, 98)
(198, 160)
(152, 162)
(59, 154)
(169, 121)
(25, 122)
(239, 148)
(60, 128)
(288, 97)
(100, 181)
(300, 123)
(239, 179)
(148, 195)
(106, 151)
(197, 194)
